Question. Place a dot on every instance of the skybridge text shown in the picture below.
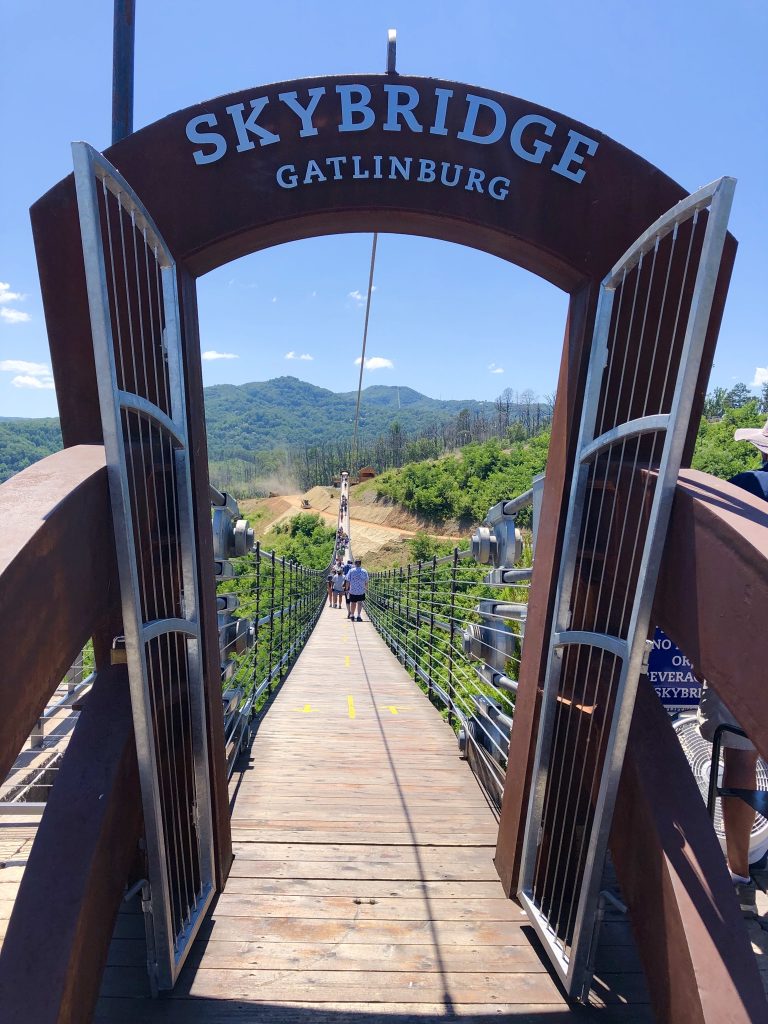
(350, 108)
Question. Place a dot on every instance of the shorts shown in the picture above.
(711, 713)
(357, 597)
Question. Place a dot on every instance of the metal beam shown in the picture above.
(123, 40)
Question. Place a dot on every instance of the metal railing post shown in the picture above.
(418, 596)
(451, 635)
(430, 659)
(271, 624)
(281, 652)
(258, 608)
(407, 621)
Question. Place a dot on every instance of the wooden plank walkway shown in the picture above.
(363, 886)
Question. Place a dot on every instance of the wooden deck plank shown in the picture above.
(363, 886)
(365, 908)
(223, 955)
(231, 1011)
(368, 888)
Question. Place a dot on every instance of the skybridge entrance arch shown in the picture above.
(392, 153)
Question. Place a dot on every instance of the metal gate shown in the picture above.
(652, 319)
(133, 301)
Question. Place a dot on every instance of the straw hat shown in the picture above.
(758, 436)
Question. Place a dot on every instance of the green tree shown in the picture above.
(716, 451)
(738, 396)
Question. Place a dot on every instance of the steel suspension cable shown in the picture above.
(365, 341)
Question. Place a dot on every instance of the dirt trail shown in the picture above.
(369, 521)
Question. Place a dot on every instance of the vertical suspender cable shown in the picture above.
(365, 340)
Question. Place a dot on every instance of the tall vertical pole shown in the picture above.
(451, 634)
(123, 39)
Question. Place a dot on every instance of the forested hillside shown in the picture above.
(288, 411)
(464, 486)
(23, 442)
(291, 428)
(306, 433)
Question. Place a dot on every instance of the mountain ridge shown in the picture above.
(262, 415)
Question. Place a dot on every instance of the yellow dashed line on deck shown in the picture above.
(351, 706)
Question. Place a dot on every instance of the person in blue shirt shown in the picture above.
(739, 753)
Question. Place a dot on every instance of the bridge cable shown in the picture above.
(362, 355)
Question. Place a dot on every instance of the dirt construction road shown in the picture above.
(369, 529)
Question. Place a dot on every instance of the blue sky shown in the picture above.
(684, 84)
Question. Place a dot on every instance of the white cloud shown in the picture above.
(40, 383)
(6, 295)
(295, 355)
(761, 377)
(22, 366)
(274, 298)
(376, 363)
(11, 316)
(31, 375)
(495, 369)
(360, 297)
(14, 316)
(212, 354)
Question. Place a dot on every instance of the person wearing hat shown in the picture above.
(754, 480)
(739, 752)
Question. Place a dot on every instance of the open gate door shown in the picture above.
(655, 304)
(132, 295)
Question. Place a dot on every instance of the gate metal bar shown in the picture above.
(654, 309)
(131, 279)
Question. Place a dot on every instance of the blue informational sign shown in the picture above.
(671, 674)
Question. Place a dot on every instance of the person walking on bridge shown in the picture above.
(357, 583)
(338, 585)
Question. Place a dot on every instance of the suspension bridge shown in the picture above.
(363, 877)
(366, 765)
(223, 800)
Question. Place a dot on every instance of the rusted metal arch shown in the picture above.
(568, 234)
(570, 238)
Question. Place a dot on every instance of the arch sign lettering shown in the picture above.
(390, 153)
(410, 109)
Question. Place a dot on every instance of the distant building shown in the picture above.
(366, 473)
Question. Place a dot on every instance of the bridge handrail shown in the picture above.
(257, 657)
(421, 612)
(58, 587)
(55, 558)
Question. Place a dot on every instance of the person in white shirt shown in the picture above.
(357, 584)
